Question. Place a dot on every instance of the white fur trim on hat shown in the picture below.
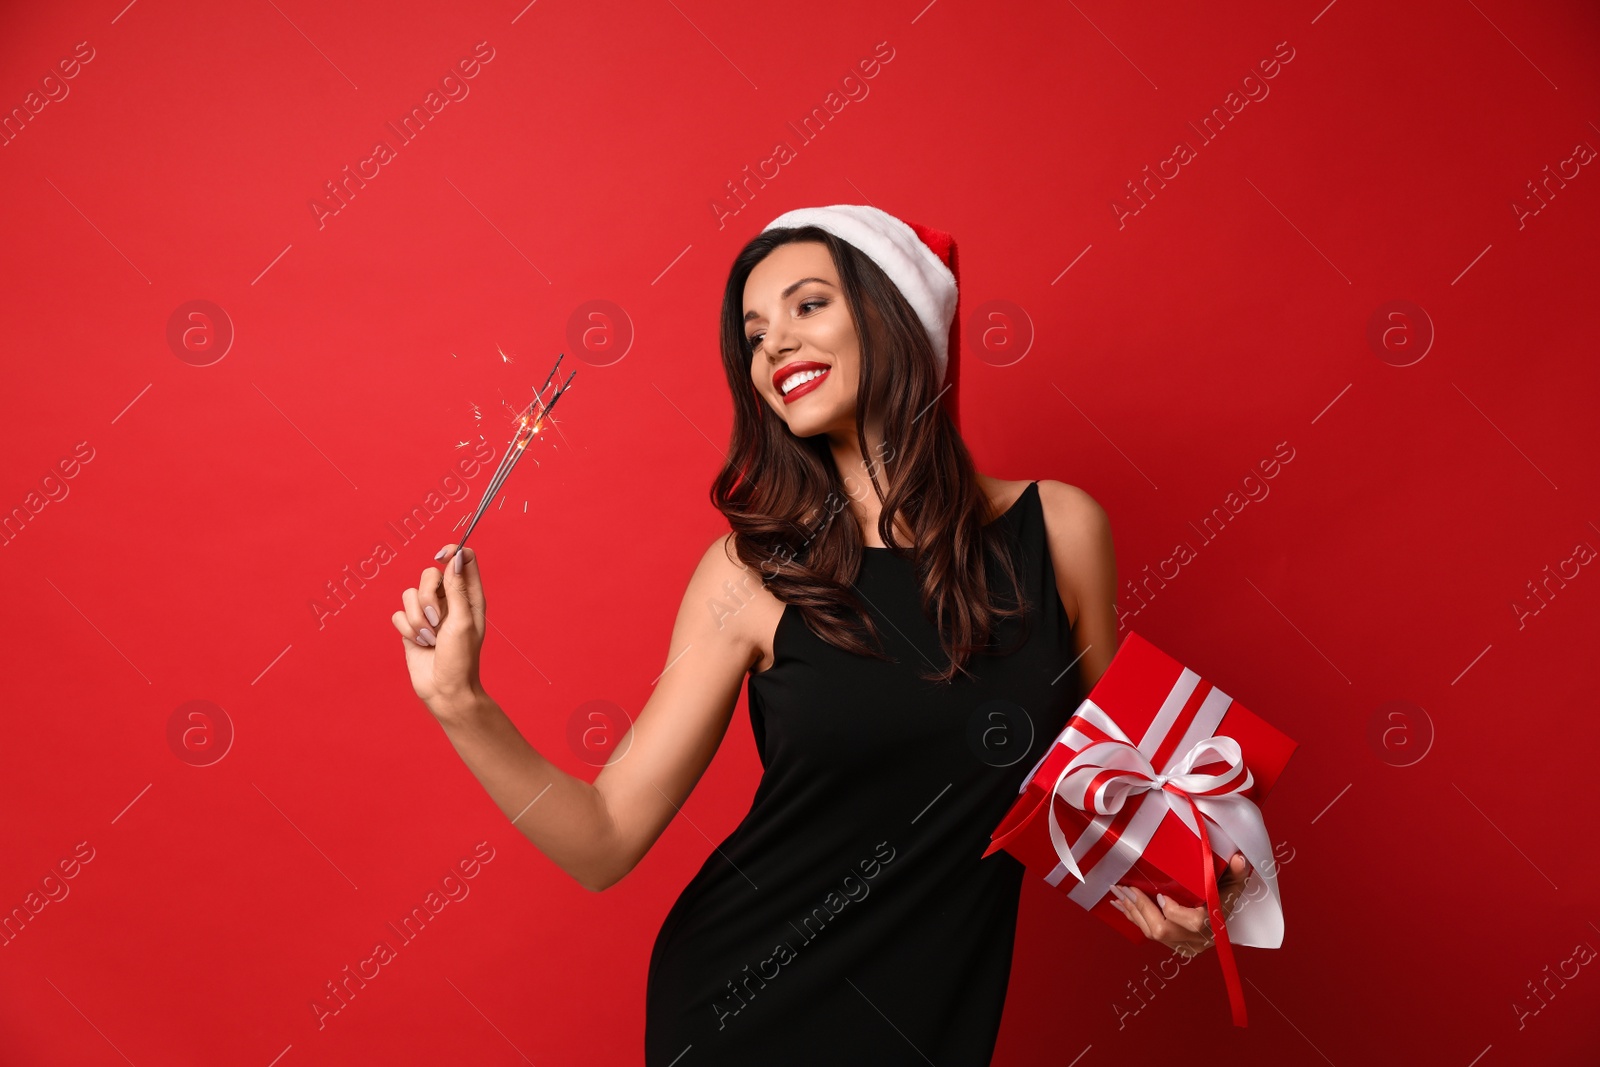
(916, 271)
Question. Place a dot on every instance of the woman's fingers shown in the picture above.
(1170, 923)
(1191, 919)
(468, 569)
(407, 631)
(1122, 901)
(426, 635)
(1137, 905)
(1232, 881)
(463, 585)
(430, 598)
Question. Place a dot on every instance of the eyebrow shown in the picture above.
(748, 315)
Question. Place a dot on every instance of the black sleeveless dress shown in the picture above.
(848, 919)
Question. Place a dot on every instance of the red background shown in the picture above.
(1231, 313)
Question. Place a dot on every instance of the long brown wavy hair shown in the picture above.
(788, 508)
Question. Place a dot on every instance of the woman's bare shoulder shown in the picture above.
(1079, 530)
(720, 563)
(1066, 505)
(726, 586)
(1085, 561)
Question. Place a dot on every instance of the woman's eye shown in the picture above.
(754, 339)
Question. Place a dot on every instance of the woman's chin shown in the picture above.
(809, 423)
(810, 415)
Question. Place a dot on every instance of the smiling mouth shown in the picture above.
(806, 386)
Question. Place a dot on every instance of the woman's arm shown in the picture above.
(1085, 563)
(596, 832)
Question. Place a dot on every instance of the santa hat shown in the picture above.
(920, 260)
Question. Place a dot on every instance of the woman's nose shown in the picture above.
(778, 343)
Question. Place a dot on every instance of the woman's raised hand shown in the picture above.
(1186, 931)
(441, 628)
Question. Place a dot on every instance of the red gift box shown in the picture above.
(1115, 799)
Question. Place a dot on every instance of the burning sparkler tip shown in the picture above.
(519, 440)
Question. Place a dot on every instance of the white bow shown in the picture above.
(1103, 776)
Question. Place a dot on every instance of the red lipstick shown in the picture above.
(798, 366)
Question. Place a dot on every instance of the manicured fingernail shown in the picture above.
(458, 562)
(1161, 900)
(433, 616)
(426, 635)
(1122, 894)
(440, 554)
(422, 639)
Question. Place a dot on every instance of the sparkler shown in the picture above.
(529, 423)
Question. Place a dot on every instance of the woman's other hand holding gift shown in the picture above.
(1187, 931)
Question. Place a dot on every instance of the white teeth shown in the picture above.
(794, 380)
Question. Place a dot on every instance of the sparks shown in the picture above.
(529, 422)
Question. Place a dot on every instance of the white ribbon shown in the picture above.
(1234, 823)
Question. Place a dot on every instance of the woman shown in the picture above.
(914, 634)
